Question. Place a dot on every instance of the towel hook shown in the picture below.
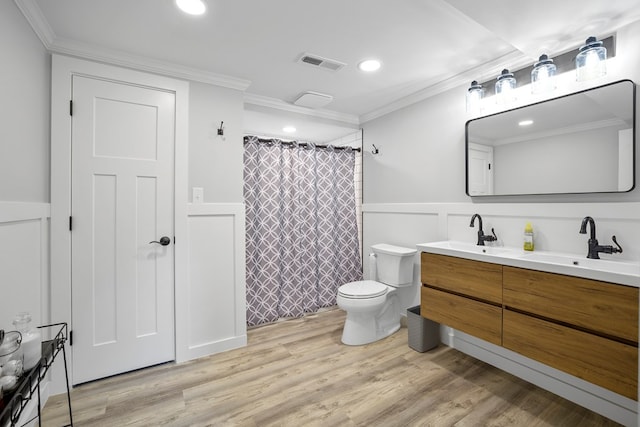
(375, 149)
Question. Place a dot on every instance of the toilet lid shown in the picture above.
(362, 289)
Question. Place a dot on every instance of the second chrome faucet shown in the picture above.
(481, 236)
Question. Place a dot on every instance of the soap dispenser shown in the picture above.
(528, 237)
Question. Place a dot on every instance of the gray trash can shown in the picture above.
(424, 334)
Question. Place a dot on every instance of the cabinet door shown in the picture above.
(473, 317)
(480, 280)
(605, 308)
(599, 360)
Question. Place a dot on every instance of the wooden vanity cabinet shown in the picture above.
(603, 308)
(584, 327)
(463, 294)
(475, 279)
(602, 361)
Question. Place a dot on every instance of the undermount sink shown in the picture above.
(620, 267)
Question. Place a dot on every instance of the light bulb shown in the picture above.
(474, 97)
(505, 88)
(591, 60)
(543, 75)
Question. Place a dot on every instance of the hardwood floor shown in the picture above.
(297, 373)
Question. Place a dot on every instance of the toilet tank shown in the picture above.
(394, 264)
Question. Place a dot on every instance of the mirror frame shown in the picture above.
(633, 167)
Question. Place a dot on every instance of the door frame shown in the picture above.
(490, 175)
(62, 69)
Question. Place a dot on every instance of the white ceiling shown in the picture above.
(253, 45)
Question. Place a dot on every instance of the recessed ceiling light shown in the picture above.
(192, 7)
(525, 123)
(289, 129)
(369, 65)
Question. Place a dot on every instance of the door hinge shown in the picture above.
(489, 166)
(70, 223)
(70, 338)
(71, 107)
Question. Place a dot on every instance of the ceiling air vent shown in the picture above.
(313, 99)
(320, 62)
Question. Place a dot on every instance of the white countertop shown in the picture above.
(622, 272)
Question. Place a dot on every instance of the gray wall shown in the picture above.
(215, 162)
(421, 155)
(25, 81)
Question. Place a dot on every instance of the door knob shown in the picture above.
(164, 241)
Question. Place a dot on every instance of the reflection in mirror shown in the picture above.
(579, 143)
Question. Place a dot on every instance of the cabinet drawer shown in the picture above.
(601, 361)
(473, 317)
(601, 307)
(477, 279)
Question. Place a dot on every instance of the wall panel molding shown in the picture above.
(24, 261)
(628, 210)
(20, 211)
(215, 294)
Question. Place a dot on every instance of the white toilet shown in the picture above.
(374, 308)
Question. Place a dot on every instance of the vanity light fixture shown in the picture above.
(369, 65)
(192, 7)
(289, 129)
(474, 97)
(591, 60)
(543, 75)
(505, 88)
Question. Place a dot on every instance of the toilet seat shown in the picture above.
(362, 289)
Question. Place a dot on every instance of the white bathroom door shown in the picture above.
(480, 172)
(122, 199)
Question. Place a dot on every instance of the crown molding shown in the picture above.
(53, 44)
(137, 62)
(266, 101)
(36, 19)
(482, 72)
(581, 127)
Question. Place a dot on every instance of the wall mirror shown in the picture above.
(579, 143)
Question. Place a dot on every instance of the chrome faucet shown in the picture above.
(481, 237)
(594, 247)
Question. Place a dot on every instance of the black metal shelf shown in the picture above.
(29, 385)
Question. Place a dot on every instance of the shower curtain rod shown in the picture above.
(304, 144)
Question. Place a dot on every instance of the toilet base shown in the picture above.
(360, 331)
(377, 321)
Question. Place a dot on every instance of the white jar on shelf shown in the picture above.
(11, 357)
(31, 340)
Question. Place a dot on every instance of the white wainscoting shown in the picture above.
(556, 228)
(24, 270)
(215, 291)
(24, 261)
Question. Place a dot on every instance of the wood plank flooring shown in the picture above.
(297, 373)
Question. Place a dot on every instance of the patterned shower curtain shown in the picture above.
(301, 229)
